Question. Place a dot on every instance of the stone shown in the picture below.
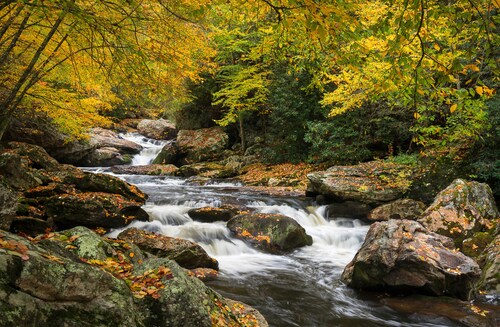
(153, 170)
(272, 233)
(95, 209)
(461, 210)
(399, 209)
(348, 209)
(372, 183)
(401, 256)
(206, 144)
(8, 205)
(489, 261)
(205, 169)
(106, 157)
(212, 214)
(157, 129)
(169, 154)
(186, 253)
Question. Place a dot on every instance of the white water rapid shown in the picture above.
(300, 289)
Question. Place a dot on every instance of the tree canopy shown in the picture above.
(75, 60)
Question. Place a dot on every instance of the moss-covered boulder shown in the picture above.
(8, 205)
(401, 256)
(399, 209)
(206, 144)
(212, 214)
(270, 232)
(159, 129)
(77, 278)
(40, 288)
(186, 253)
(462, 210)
(169, 154)
(372, 183)
(153, 169)
(489, 283)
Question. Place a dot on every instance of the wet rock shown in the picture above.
(106, 157)
(186, 253)
(105, 138)
(153, 169)
(244, 310)
(38, 288)
(203, 274)
(16, 172)
(205, 169)
(211, 214)
(46, 135)
(29, 226)
(371, 182)
(93, 209)
(8, 205)
(169, 154)
(399, 209)
(462, 210)
(270, 232)
(200, 145)
(402, 256)
(157, 129)
(348, 209)
(489, 261)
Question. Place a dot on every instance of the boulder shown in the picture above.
(40, 288)
(105, 138)
(372, 183)
(106, 157)
(399, 209)
(348, 209)
(401, 256)
(462, 210)
(489, 261)
(46, 135)
(8, 205)
(109, 149)
(153, 169)
(157, 129)
(273, 233)
(94, 209)
(76, 278)
(200, 145)
(186, 253)
(62, 196)
(169, 154)
(212, 214)
(205, 169)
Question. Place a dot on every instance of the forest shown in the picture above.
(291, 87)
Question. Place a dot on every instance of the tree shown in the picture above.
(77, 56)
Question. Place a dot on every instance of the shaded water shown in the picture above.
(302, 288)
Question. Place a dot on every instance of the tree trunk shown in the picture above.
(242, 133)
(4, 123)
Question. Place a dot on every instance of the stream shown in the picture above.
(302, 288)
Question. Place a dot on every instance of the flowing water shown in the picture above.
(302, 288)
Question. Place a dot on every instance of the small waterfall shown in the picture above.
(151, 148)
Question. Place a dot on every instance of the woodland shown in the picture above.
(324, 81)
(390, 101)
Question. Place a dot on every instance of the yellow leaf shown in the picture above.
(479, 90)
(453, 108)
(416, 115)
(131, 254)
(437, 47)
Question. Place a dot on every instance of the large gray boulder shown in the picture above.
(399, 209)
(462, 211)
(272, 233)
(206, 144)
(372, 183)
(8, 205)
(152, 169)
(402, 256)
(109, 149)
(160, 129)
(186, 253)
(76, 278)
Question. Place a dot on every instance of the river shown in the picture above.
(302, 288)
